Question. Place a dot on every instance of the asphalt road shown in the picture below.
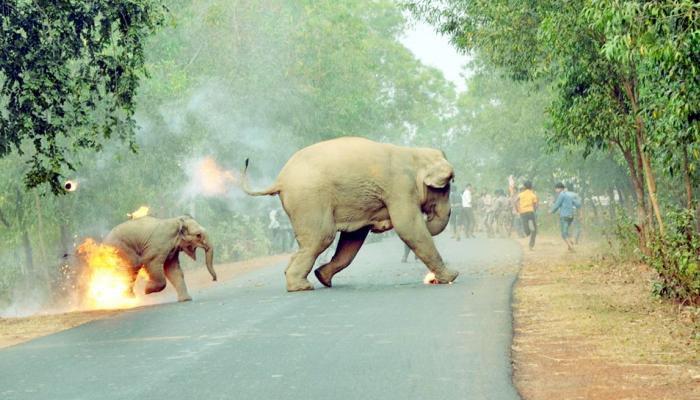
(378, 334)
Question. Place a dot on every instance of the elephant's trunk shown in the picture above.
(438, 224)
(209, 259)
(438, 218)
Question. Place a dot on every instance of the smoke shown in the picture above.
(219, 137)
(208, 179)
(25, 303)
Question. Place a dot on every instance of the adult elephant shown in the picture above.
(354, 185)
(155, 244)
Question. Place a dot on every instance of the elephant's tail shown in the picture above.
(271, 191)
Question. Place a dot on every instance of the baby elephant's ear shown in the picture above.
(182, 227)
(439, 174)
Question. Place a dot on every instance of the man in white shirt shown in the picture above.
(467, 213)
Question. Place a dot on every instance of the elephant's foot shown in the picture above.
(446, 275)
(154, 286)
(323, 277)
(298, 285)
(184, 298)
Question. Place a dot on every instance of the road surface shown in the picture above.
(378, 334)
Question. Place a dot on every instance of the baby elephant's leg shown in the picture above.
(156, 276)
(175, 276)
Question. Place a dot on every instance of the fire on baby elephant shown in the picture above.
(105, 280)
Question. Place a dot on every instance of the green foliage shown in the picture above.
(500, 131)
(625, 84)
(676, 258)
(610, 62)
(658, 44)
(623, 239)
(68, 77)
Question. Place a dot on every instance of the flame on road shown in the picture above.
(212, 179)
(106, 279)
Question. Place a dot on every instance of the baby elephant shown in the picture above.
(155, 244)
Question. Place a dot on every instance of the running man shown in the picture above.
(566, 203)
(526, 206)
(467, 212)
(501, 212)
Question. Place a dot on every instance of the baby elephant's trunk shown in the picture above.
(209, 254)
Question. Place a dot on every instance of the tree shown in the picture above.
(603, 58)
(69, 71)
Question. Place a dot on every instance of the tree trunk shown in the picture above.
(633, 164)
(3, 220)
(621, 194)
(640, 135)
(65, 240)
(650, 179)
(612, 205)
(28, 257)
(42, 231)
(595, 210)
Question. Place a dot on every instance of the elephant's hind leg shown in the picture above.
(314, 229)
(348, 246)
(303, 260)
(175, 276)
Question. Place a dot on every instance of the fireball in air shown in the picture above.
(70, 185)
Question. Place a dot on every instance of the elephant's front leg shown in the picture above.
(348, 246)
(156, 276)
(411, 228)
(175, 276)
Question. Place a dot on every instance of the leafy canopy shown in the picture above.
(69, 71)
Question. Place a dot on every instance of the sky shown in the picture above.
(435, 50)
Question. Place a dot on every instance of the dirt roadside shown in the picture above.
(586, 329)
(17, 330)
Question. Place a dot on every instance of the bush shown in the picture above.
(623, 239)
(676, 258)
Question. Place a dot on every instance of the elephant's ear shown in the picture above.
(438, 175)
(181, 227)
(182, 232)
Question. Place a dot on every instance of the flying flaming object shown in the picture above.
(140, 213)
(212, 179)
(70, 185)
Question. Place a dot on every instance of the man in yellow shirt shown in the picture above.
(526, 206)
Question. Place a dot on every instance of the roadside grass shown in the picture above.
(587, 326)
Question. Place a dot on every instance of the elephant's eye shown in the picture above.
(199, 236)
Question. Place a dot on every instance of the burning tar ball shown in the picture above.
(70, 186)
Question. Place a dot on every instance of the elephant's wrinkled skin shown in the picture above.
(155, 245)
(354, 185)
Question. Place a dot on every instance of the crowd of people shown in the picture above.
(497, 213)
